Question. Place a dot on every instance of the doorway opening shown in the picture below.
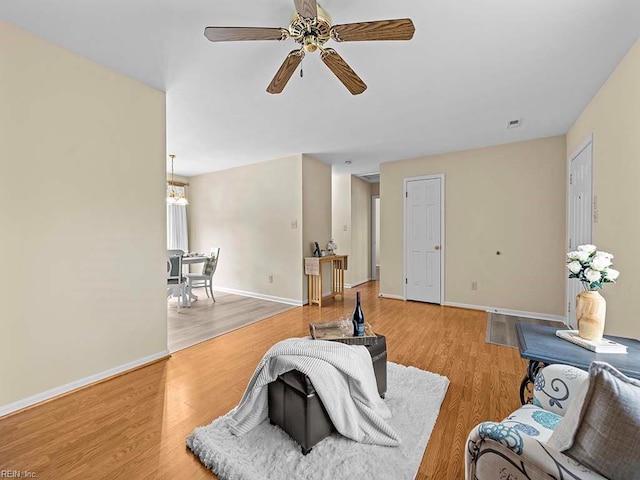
(375, 237)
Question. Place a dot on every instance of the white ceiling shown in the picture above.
(471, 66)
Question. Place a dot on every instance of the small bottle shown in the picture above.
(358, 319)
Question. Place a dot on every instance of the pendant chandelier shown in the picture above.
(174, 198)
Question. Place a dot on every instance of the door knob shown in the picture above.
(437, 247)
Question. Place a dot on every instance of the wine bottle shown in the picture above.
(358, 318)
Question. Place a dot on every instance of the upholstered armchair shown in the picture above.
(581, 426)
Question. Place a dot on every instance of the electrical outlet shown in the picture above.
(294, 224)
(474, 285)
(344, 228)
(270, 278)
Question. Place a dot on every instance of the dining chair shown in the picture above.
(205, 279)
(177, 285)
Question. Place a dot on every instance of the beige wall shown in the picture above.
(316, 203)
(613, 117)
(508, 198)
(248, 212)
(83, 218)
(341, 216)
(316, 212)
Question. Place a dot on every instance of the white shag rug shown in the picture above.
(414, 397)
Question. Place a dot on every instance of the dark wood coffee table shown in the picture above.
(539, 345)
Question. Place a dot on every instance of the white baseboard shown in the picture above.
(83, 382)
(355, 284)
(305, 300)
(506, 311)
(388, 295)
(288, 301)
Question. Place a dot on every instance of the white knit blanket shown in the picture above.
(342, 376)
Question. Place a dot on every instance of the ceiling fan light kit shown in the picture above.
(311, 26)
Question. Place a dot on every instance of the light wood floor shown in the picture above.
(206, 319)
(134, 426)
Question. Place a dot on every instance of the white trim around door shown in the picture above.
(374, 230)
(580, 213)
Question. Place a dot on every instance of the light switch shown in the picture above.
(344, 228)
(294, 224)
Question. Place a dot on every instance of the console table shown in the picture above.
(313, 270)
(540, 345)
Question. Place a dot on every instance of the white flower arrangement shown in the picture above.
(591, 267)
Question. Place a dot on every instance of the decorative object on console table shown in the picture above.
(603, 346)
(593, 269)
(332, 248)
(591, 310)
(332, 331)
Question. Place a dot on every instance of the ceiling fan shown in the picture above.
(311, 26)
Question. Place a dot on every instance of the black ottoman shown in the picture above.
(296, 408)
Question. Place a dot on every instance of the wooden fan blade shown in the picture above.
(285, 72)
(232, 34)
(307, 8)
(343, 71)
(401, 29)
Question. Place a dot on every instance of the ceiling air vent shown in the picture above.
(514, 123)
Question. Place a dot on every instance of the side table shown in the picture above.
(313, 270)
(540, 345)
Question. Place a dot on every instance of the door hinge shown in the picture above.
(571, 179)
(406, 194)
(569, 244)
(569, 307)
(406, 281)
